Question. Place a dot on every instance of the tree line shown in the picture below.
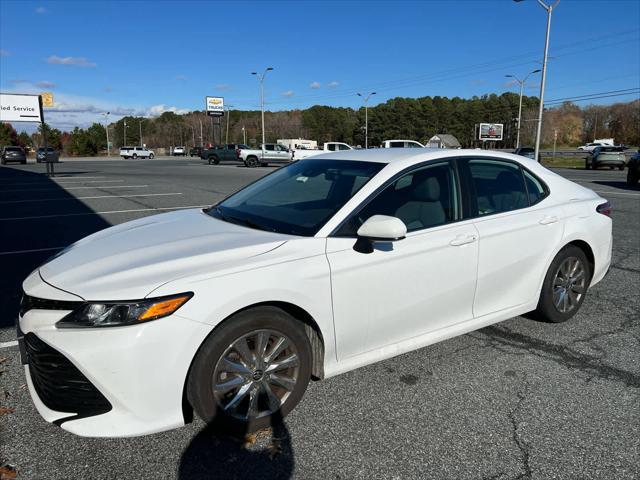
(401, 118)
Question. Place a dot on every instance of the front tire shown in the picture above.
(251, 162)
(151, 155)
(134, 156)
(565, 285)
(253, 368)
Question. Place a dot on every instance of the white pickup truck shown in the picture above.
(135, 152)
(401, 144)
(300, 153)
(264, 155)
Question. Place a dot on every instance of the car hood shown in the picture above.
(128, 261)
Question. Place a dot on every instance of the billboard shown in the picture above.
(16, 107)
(491, 131)
(215, 106)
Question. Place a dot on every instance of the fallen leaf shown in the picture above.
(22, 387)
(3, 359)
(7, 472)
(274, 448)
(5, 410)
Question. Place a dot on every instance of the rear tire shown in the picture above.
(565, 286)
(251, 162)
(134, 156)
(237, 362)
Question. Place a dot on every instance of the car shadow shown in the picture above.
(619, 184)
(217, 452)
(26, 242)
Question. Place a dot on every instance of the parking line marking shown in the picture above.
(72, 183)
(87, 198)
(57, 177)
(15, 252)
(75, 188)
(13, 343)
(103, 213)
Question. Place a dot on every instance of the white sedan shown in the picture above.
(321, 267)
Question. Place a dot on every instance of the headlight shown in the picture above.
(117, 314)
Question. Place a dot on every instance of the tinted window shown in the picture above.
(396, 144)
(413, 145)
(297, 199)
(422, 198)
(535, 189)
(343, 147)
(331, 147)
(13, 149)
(499, 186)
(271, 148)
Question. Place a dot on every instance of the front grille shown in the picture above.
(32, 303)
(59, 384)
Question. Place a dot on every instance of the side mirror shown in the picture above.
(379, 228)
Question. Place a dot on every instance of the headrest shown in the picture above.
(427, 190)
(509, 180)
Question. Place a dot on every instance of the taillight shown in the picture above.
(604, 209)
(237, 153)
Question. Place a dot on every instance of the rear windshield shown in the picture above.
(13, 149)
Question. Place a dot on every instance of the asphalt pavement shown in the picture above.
(520, 399)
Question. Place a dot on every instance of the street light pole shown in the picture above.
(125, 133)
(549, 9)
(244, 135)
(106, 127)
(366, 118)
(261, 80)
(140, 126)
(521, 82)
(226, 137)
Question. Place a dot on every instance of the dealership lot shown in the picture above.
(520, 399)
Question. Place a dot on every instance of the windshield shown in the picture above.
(297, 199)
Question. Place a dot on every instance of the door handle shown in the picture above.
(548, 220)
(462, 240)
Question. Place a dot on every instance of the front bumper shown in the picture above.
(139, 371)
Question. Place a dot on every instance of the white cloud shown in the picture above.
(288, 93)
(333, 84)
(180, 77)
(41, 10)
(223, 86)
(78, 61)
(157, 110)
(46, 84)
(315, 85)
(4, 53)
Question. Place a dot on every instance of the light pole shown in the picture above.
(366, 118)
(140, 126)
(521, 82)
(125, 133)
(226, 137)
(106, 127)
(244, 135)
(261, 80)
(549, 9)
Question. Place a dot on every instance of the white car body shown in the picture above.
(590, 147)
(136, 152)
(466, 275)
(401, 144)
(179, 151)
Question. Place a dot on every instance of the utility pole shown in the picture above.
(106, 127)
(366, 118)
(595, 127)
(555, 138)
(261, 80)
(140, 126)
(244, 135)
(125, 134)
(226, 137)
(521, 82)
(201, 138)
(549, 9)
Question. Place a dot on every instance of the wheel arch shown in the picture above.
(588, 251)
(311, 329)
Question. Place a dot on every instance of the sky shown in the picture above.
(144, 58)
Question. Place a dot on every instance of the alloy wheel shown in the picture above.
(569, 285)
(256, 374)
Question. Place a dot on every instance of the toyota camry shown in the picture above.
(323, 266)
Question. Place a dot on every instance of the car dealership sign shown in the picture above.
(15, 107)
(491, 131)
(215, 106)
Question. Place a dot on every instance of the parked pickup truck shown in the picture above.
(266, 154)
(223, 153)
(135, 152)
(300, 153)
(401, 144)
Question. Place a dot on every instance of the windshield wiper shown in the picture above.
(242, 221)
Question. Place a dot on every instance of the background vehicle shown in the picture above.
(633, 169)
(196, 151)
(611, 157)
(268, 153)
(528, 152)
(298, 143)
(135, 152)
(602, 142)
(13, 154)
(327, 147)
(179, 151)
(401, 144)
(52, 155)
(223, 153)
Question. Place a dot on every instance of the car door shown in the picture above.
(519, 228)
(269, 152)
(413, 286)
(282, 154)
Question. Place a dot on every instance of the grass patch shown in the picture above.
(564, 162)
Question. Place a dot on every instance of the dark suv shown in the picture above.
(633, 172)
(611, 157)
(13, 154)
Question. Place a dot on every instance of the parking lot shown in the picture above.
(520, 399)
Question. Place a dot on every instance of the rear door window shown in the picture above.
(499, 187)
